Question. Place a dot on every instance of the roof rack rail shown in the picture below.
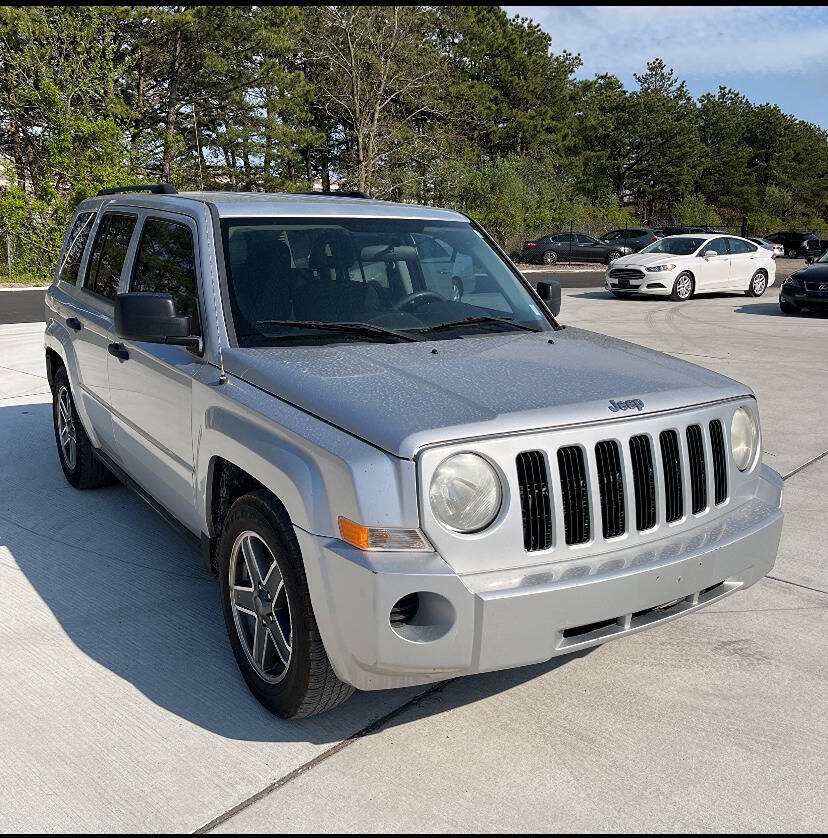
(154, 188)
(338, 194)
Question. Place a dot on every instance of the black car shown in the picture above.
(807, 288)
(797, 244)
(633, 237)
(550, 249)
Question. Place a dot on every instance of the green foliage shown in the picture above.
(452, 105)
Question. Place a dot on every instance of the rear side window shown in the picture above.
(739, 246)
(75, 245)
(108, 254)
(165, 263)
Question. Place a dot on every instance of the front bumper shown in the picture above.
(803, 299)
(659, 283)
(496, 620)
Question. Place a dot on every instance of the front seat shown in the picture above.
(329, 293)
(262, 277)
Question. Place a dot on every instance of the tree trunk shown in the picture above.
(172, 111)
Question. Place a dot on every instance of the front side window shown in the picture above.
(165, 263)
(675, 246)
(75, 245)
(718, 246)
(106, 261)
(419, 278)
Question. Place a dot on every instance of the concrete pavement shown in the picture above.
(123, 710)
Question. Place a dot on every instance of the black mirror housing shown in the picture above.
(151, 317)
(550, 292)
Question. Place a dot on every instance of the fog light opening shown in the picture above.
(421, 617)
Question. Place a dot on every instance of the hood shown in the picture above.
(642, 260)
(813, 273)
(402, 396)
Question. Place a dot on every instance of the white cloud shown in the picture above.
(694, 40)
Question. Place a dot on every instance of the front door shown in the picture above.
(152, 387)
(713, 273)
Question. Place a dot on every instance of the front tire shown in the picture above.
(550, 257)
(81, 467)
(683, 288)
(268, 613)
(758, 285)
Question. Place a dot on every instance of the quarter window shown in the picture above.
(165, 264)
(108, 254)
(75, 245)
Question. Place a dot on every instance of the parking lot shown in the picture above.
(123, 709)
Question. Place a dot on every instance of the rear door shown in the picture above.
(152, 387)
(95, 315)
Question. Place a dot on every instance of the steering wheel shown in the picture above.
(417, 297)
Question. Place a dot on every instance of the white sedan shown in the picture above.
(681, 266)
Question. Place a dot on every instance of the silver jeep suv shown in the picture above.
(401, 467)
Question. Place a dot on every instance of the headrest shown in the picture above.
(332, 249)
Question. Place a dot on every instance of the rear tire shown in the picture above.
(683, 288)
(758, 285)
(792, 253)
(613, 254)
(81, 467)
(288, 670)
(550, 257)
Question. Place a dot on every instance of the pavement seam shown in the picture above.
(796, 584)
(374, 726)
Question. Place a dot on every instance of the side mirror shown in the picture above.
(809, 260)
(550, 292)
(149, 317)
(710, 253)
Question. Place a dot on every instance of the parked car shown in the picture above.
(797, 244)
(806, 288)
(548, 250)
(776, 249)
(393, 486)
(633, 237)
(681, 266)
(678, 231)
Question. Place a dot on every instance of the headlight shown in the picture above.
(669, 267)
(465, 493)
(743, 436)
(793, 279)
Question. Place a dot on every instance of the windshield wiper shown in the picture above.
(471, 321)
(352, 328)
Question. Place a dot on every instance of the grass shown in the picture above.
(22, 280)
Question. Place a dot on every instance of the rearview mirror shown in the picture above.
(550, 292)
(150, 317)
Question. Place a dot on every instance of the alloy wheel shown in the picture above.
(66, 428)
(684, 287)
(758, 284)
(260, 605)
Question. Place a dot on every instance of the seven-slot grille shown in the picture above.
(678, 463)
(534, 500)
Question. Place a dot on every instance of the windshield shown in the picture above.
(289, 278)
(675, 246)
(824, 257)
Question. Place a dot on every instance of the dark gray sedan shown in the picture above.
(580, 247)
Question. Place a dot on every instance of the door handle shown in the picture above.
(74, 323)
(119, 351)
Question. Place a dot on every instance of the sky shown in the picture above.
(776, 54)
